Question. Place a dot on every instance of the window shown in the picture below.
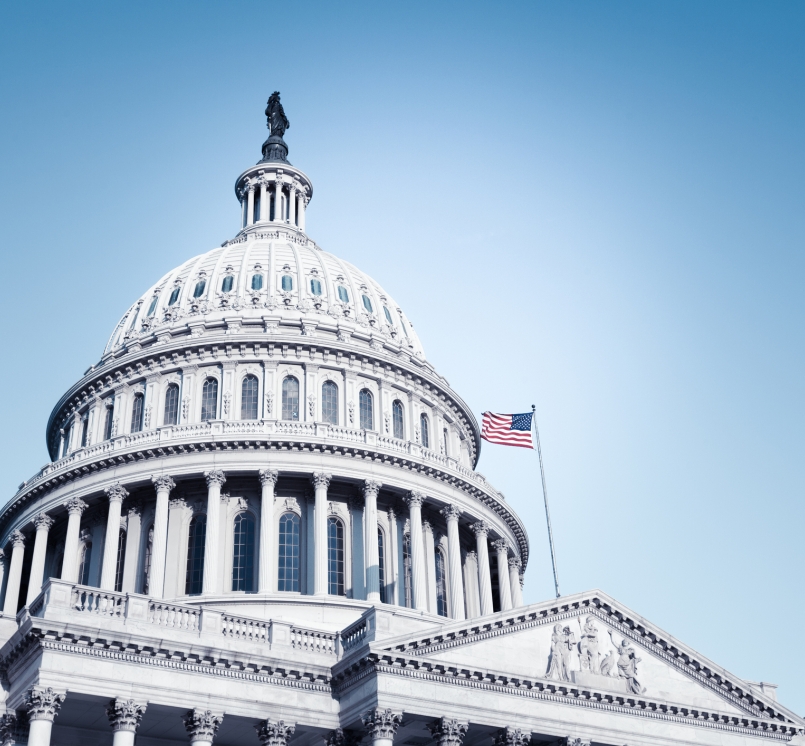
(397, 419)
(174, 295)
(84, 428)
(288, 565)
(290, 398)
(149, 548)
(381, 565)
(287, 283)
(315, 287)
(226, 285)
(424, 428)
(441, 584)
(329, 402)
(243, 553)
(257, 282)
(366, 406)
(404, 326)
(444, 442)
(137, 413)
(199, 291)
(343, 294)
(335, 556)
(121, 557)
(408, 571)
(171, 405)
(249, 390)
(388, 316)
(209, 400)
(153, 306)
(367, 303)
(109, 425)
(134, 317)
(194, 579)
(256, 205)
(86, 560)
(65, 446)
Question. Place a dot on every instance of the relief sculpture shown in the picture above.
(562, 643)
(589, 654)
(627, 665)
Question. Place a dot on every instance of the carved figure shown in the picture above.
(608, 663)
(562, 643)
(627, 665)
(588, 647)
(276, 122)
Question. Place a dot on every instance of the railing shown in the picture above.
(174, 616)
(241, 628)
(95, 601)
(353, 636)
(295, 428)
(313, 641)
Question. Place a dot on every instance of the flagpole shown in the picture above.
(545, 497)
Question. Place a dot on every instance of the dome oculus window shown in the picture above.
(226, 285)
(199, 290)
(287, 283)
(343, 294)
(174, 295)
(367, 303)
(315, 286)
(257, 282)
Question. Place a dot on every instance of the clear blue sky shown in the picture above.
(594, 207)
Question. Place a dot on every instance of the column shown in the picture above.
(43, 522)
(69, 569)
(448, 731)
(430, 565)
(370, 490)
(302, 205)
(43, 705)
(124, 716)
(292, 204)
(452, 514)
(250, 206)
(265, 205)
(415, 500)
(268, 478)
(320, 585)
(481, 529)
(501, 547)
(116, 494)
(509, 736)
(14, 573)
(215, 480)
(514, 582)
(392, 565)
(2, 567)
(274, 733)
(278, 201)
(202, 725)
(471, 585)
(132, 556)
(159, 546)
(381, 724)
(358, 544)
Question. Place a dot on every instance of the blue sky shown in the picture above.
(592, 207)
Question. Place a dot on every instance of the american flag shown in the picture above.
(508, 429)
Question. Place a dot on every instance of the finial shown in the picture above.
(275, 149)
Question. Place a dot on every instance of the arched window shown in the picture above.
(381, 564)
(257, 282)
(84, 428)
(65, 446)
(397, 419)
(226, 284)
(335, 556)
(248, 398)
(408, 571)
(171, 405)
(315, 286)
(137, 411)
(86, 560)
(209, 400)
(329, 402)
(441, 584)
(290, 398)
(194, 579)
(174, 295)
(287, 283)
(199, 290)
(109, 425)
(366, 407)
(445, 442)
(256, 205)
(424, 428)
(343, 294)
(121, 557)
(149, 548)
(288, 564)
(388, 316)
(243, 553)
(367, 303)
(153, 306)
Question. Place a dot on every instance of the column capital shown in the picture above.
(274, 733)
(116, 493)
(43, 522)
(17, 539)
(472, 555)
(371, 487)
(450, 512)
(214, 476)
(448, 731)
(125, 714)
(515, 561)
(8, 724)
(381, 723)
(501, 545)
(320, 479)
(268, 476)
(202, 725)
(392, 514)
(512, 737)
(426, 525)
(43, 704)
(574, 741)
(415, 499)
(75, 505)
(162, 482)
(480, 529)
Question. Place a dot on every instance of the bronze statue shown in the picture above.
(277, 122)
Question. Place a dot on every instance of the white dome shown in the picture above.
(267, 278)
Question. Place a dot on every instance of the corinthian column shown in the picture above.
(14, 573)
(381, 724)
(268, 478)
(321, 482)
(43, 522)
(370, 490)
(69, 568)
(501, 547)
(273, 733)
(159, 544)
(448, 732)
(481, 530)
(514, 581)
(415, 500)
(512, 737)
(116, 495)
(452, 514)
(215, 480)
(125, 716)
(202, 725)
(43, 706)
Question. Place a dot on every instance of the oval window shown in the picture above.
(367, 304)
(257, 282)
(174, 295)
(153, 305)
(343, 295)
(226, 285)
(287, 283)
(315, 287)
(388, 316)
(199, 291)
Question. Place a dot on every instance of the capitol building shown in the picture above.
(262, 524)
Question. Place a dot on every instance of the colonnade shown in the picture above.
(297, 202)
(474, 575)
